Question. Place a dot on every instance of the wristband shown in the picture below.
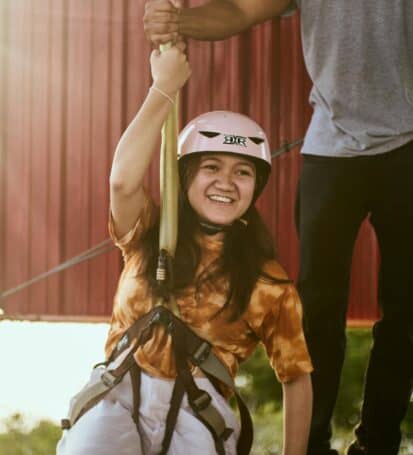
(162, 93)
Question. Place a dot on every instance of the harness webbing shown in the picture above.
(135, 374)
(187, 347)
(199, 400)
(194, 348)
(176, 400)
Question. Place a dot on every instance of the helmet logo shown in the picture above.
(235, 140)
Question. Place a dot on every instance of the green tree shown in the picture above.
(264, 396)
(347, 410)
(40, 440)
(258, 384)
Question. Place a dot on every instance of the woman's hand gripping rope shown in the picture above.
(170, 70)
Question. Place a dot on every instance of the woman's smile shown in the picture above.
(220, 199)
(222, 188)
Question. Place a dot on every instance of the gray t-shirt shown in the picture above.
(359, 54)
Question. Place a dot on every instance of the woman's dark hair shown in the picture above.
(245, 250)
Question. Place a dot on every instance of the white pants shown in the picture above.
(108, 428)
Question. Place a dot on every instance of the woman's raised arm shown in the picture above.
(170, 71)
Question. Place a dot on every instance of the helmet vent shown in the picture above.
(256, 140)
(209, 134)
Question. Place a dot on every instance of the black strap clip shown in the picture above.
(65, 424)
(202, 401)
(163, 317)
(201, 353)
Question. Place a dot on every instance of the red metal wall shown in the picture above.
(72, 74)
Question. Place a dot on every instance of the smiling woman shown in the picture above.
(222, 188)
(168, 341)
(209, 132)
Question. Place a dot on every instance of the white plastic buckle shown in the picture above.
(109, 379)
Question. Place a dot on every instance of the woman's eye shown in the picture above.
(210, 167)
(245, 172)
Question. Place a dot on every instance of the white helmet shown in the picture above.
(227, 132)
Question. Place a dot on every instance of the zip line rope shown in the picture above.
(107, 245)
(168, 186)
(97, 250)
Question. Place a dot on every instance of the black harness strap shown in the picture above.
(176, 400)
(188, 349)
(199, 400)
(198, 351)
(200, 354)
(109, 378)
(247, 432)
(246, 435)
(135, 373)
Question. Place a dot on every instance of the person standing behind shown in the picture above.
(357, 163)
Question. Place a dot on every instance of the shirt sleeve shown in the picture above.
(282, 335)
(146, 219)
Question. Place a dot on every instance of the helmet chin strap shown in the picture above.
(212, 228)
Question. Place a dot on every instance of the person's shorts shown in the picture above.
(108, 428)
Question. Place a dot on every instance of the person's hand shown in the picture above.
(170, 68)
(161, 20)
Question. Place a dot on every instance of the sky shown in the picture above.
(44, 364)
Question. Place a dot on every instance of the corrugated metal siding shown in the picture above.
(73, 74)
(63, 106)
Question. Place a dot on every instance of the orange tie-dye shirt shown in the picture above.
(273, 316)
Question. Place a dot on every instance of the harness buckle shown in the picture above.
(162, 317)
(123, 342)
(226, 434)
(65, 424)
(201, 401)
(109, 379)
(201, 353)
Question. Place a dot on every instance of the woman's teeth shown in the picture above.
(217, 198)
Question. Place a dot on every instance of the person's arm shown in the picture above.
(298, 402)
(214, 20)
(170, 70)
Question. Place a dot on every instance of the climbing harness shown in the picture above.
(186, 346)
